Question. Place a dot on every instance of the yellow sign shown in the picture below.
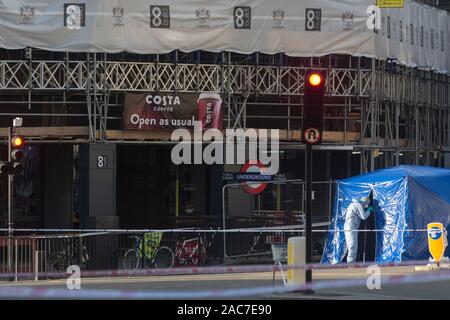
(437, 240)
(390, 3)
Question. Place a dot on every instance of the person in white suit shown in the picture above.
(356, 211)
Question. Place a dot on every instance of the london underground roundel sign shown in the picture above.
(254, 169)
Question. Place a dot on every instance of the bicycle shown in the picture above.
(190, 252)
(193, 251)
(75, 253)
(150, 254)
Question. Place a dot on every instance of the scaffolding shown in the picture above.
(374, 107)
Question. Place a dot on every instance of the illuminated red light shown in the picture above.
(315, 79)
(17, 142)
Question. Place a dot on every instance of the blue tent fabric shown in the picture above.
(404, 198)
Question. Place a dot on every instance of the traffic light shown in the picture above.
(17, 153)
(313, 107)
(4, 168)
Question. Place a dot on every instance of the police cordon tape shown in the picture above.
(292, 228)
(14, 292)
(213, 270)
(287, 229)
(368, 230)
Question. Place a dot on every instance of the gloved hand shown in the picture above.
(370, 209)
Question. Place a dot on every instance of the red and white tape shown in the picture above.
(213, 270)
(287, 229)
(15, 292)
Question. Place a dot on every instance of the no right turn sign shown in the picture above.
(311, 136)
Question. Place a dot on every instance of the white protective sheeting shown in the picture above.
(339, 26)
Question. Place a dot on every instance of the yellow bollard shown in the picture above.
(296, 257)
(437, 241)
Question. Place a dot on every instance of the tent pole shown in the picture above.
(365, 235)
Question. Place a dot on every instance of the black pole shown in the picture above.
(365, 234)
(10, 201)
(308, 211)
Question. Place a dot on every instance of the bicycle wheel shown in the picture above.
(56, 263)
(80, 259)
(202, 256)
(84, 258)
(164, 258)
(130, 260)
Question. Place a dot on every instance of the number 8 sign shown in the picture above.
(313, 19)
(102, 161)
(242, 17)
(159, 16)
(74, 15)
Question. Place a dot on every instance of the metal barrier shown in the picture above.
(46, 253)
(282, 204)
(245, 246)
(51, 253)
(55, 252)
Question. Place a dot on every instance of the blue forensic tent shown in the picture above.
(404, 198)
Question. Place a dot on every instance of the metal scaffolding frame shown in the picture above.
(407, 112)
(377, 107)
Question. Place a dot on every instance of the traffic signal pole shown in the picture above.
(11, 168)
(308, 215)
(312, 134)
(10, 202)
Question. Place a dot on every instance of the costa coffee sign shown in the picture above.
(169, 111)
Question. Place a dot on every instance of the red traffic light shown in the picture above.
(17, 142)
(315, 79)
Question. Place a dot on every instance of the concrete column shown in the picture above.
(98, 202)
(98, 185)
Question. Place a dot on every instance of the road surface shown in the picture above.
(196, 283)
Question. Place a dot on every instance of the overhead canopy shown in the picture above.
(415, 35)
(405, 198)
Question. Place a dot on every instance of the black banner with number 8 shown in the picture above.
(242, 17)
(313, 19)
(159, 16)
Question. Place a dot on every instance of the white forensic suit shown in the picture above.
(355, 212)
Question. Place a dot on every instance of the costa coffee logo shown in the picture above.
(209, 107)
(163, 100)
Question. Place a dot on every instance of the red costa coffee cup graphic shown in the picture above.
(210, 110)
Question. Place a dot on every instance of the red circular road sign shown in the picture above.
(258, 168)
(311, 135)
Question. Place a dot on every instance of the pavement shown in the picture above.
(188, 283)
